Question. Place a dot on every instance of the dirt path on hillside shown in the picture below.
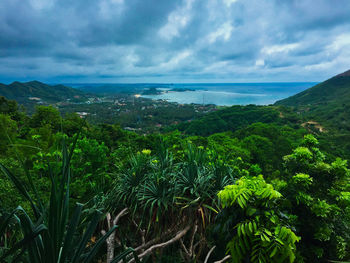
(315, 125)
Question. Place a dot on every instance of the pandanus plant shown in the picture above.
(52, 234)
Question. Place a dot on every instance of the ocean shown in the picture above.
(231, 93)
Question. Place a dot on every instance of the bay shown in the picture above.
(227, 94)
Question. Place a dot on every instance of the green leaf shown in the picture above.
(122, 255)
(99, 243)
(88, 233)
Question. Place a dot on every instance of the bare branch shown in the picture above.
(154, 241)
(224, 259)
(122, 213)
(192, 238)
(111, 239)
(183, 246)
(108, 217)
(196, 245)
(179, 235)
(209, 253)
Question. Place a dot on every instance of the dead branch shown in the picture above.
(122, 213)
(192, 239)
(153, 241)
(142, 233)
(189, 251)
(179, 235)
(111, 239)
(209, 253)
(224, 259)
(184, 247)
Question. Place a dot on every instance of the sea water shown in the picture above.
(230, 93)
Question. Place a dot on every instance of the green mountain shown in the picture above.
(325, 110)
(234, 118)
(35, 91)
(333, 90)
(327, 103)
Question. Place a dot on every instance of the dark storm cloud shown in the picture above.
(177, 40)
(135, 21)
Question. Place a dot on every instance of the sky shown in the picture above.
(173, 41)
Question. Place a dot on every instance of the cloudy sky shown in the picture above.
(173, 40)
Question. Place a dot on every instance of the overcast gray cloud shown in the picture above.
(173, 41)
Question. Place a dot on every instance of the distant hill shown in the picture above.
(232, 119)
(325, 109)
(25, 92)
(327, 103)
(333, 90)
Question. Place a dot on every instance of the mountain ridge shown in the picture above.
(333, 90)
(344, 74)
(23, 91)
(327, 103)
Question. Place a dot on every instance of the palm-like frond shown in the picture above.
(158, 192)
(53, 237)
(194, 177)
(129, 183)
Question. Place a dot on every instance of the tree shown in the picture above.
(53, 236)
(252, 219)
(318, 192)
(46, 115)
(8, 128)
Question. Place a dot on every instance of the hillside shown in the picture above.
(333, 90)
(327, 103)
(325, 109)
(234, 118)
(35, 91)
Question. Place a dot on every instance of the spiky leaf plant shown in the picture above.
(52, 235)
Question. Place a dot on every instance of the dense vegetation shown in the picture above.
(242, 184)
(327, 103)
(47, 93)
(335, 89)
(326, 108)
(137, 114)
(236, 117)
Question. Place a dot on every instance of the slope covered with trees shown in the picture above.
(325, 109)
(327, 102)
(234, 118)
(335, 89)
(22, 91)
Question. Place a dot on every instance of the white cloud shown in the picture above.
(259, 62)
(110, 8)
(176, 60)
(337, 56)
(215, 67)
(342, 41)
(228, 3)
(223, 32)
(269, 50)
(177, 20)
(42, 4)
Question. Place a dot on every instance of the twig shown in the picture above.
(111, 239)
(208, 255)
(179, 235)
(224, 259)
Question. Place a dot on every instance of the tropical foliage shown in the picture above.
(261, 231)
(54, 234)
(262, 192)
